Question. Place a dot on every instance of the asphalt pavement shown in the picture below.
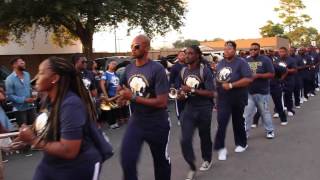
(292, 155)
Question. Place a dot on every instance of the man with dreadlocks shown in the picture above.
(149, 122)
(196, 81)
(69, 153)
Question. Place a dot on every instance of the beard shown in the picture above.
(138, 56)
(190, 61)
(21, 68)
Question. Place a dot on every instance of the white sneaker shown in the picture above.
(301, 101)
(240, 149)
(114, 126)
(253, 126)
(270, 135)
(284, 108)
(276, 115)
(305, 99)
(311, 95)
(206, 165)
(317, 89)
(298, 107)
(222, 154)
(191, 174)
(284, 123)
(290, 113)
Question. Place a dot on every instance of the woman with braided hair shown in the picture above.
(68, 151)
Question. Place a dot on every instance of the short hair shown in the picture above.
(90, 65)
(231, 44)
(75, 57)
(182, 50)
(145, 39)
(196, 49)
(14, 60)
(255, 44)
(283, 48)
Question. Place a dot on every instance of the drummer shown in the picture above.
(108, 84)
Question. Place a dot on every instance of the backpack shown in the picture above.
(183, 70)
(100, 140)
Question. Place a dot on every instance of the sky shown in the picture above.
(209, 19)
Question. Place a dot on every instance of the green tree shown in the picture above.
(185, 43)
(318, 40)
(292, 25)
(271, 30)
(289, 11)
(4, 36)
(82, 18)
(303, 36)
(218, 39)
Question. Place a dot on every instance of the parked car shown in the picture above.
(122, 61)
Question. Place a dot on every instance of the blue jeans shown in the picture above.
(258, 102)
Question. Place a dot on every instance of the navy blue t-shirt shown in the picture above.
(88, 79)
(175, 74)
(148, 81)
(305, 61)
(260, 65)
(315, 59)
(192, 78)
(299, 61)
(73, 116)
(238, 69)
(275, 83)
(291, 64)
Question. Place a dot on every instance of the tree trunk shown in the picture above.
(87, 42)
(86, 38)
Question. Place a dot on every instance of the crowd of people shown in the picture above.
(241, 85)
(74, 94)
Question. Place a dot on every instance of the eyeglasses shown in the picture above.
(135, 46)
(254, 49)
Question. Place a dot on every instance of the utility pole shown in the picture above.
(115, 40)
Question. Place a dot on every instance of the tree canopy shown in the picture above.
(289, 13)
(185, 43)
(293, 25)
(271, 30)
(82, 18)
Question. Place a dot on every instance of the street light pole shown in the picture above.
(115, 40)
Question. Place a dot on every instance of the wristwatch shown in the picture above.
(230, 85)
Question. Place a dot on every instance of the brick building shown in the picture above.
(244, 44)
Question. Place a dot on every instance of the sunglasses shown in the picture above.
(136, 46)
(254, 49)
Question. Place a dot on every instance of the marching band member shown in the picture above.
(297, 77)
(197, 83)
(68, 151)
(289, 81)
(233, 78)
(175, 83)
(108, 84)
(145, 84)
(259, 92)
